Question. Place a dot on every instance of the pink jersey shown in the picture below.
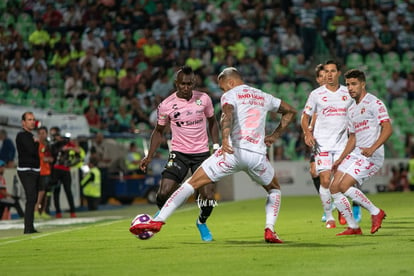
(332, 117)
(188, 121)
(365, 119)
(250, 110)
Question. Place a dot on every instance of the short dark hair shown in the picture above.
(186, 70)
(318, 68)
(355, 73)
(331, 61)
(24, 115)
(42, 128)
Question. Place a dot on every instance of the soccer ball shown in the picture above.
(142, 218)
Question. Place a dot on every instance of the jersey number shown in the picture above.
(252, 120)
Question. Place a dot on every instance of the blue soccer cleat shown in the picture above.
(323, 219)
(356, 209)
(204, 232)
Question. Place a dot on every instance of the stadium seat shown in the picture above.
(250, 45)
(108, 91)
(137, 34)
(392, 60)
(262, 41)
(373, 60)
(56, 82)
(292, 60)
(304, 88)
(54, 92)
(4, 88)
(53, 73)
(70, 105)
(34, 93)
(53, 103)
(24, 18)
(7, 18)
(33, 102)
(269, 87)
(354, 60)
(15, 96)
(408, 61)
(3, 6)
(287, 89)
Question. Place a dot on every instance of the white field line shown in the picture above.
(84, 220)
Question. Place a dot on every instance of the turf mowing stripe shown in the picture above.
(35, 236)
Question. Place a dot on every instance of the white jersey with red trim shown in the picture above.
(332, 117)
(250, 110)
(365, 119)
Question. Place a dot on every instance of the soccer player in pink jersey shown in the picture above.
(186, 112)
(363, 156)
(244, 143)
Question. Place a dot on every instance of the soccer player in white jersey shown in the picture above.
(363, 156)
(244, 143)
(187, 113)
(320, 79)
(330, 102)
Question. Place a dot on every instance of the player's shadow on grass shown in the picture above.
(261, 243)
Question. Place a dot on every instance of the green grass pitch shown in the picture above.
(107, 247)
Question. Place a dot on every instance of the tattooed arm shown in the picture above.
(288, 115)
(226, 122)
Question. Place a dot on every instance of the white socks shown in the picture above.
(326, 199)
(343, 206)
(176, 200)
(359, 197)
(272, 208)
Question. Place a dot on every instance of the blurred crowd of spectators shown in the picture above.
(132, 48)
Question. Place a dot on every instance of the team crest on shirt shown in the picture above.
(325, 99)
(344, 98)
(363, 110)
(198, 102)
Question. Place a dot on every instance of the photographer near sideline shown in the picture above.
(61, 149)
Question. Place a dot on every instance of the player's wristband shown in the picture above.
(216, 146)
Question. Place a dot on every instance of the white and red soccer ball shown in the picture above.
(143, 218)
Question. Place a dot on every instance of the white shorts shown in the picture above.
(360, 167)
(324, 160)
(256, 165)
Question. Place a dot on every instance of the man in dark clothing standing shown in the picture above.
(28, 168)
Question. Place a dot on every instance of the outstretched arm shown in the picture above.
(213, 129)
(226, 126)
(155, 141)
(288, 115)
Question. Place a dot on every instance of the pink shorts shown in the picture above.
(256, 165)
